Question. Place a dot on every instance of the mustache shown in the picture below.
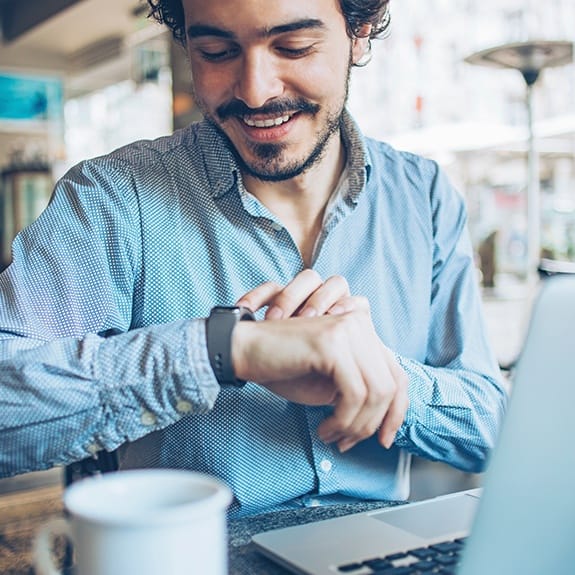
(238, 108)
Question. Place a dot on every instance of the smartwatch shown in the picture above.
(219, 327)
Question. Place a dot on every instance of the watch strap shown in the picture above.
(219, 328)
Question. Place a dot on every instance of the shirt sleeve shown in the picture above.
(457, 396)
(65, 394)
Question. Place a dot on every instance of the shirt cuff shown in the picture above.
(199, 361)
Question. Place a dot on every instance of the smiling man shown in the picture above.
(355, 256)
(273, 77)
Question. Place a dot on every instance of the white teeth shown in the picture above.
(266, 123)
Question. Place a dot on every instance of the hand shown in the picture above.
(305, 296)
(329, 360)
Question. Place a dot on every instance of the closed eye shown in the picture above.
(296, 52)
(219, 56)
(215, 50)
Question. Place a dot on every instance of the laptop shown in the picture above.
(522, 520)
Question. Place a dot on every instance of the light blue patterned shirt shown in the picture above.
(100, 345)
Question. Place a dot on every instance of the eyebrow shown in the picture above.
(201, 30)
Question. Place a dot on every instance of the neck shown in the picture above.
(299, 203)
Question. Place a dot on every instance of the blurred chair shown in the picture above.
(101, 462)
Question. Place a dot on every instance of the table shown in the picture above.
(22, 513)
(245, 560)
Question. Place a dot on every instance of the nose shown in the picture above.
(259, 79)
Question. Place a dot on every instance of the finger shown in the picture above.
(328, 294)
(260, 296)
(393, 420)
(380, 385)
(348, 401)
(291, 297)
(348, 304)
(374, 410)
(357, 415)
(395, 416)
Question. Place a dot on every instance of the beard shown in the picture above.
(271, 162)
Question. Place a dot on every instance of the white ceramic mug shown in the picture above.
(141, 522)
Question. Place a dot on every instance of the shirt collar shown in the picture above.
(221, 168)
(358, 161)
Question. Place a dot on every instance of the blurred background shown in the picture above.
(79, 78)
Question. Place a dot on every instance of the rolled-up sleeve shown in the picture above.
(457, 396)
(66, 399)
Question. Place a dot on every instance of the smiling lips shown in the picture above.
(267, 123)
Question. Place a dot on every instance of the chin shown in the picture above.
(279, 173)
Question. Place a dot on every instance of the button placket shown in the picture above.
(324, 456)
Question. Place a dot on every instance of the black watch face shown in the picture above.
(241, 312)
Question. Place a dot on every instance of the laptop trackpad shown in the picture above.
(433, 518)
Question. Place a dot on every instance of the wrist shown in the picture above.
(242, 342)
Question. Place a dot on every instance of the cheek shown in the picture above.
(210, 87)
(324, 80)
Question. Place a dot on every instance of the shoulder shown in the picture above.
(406, 170)
(149, 152)
(384, 158)
(155, 163)
(196, 154)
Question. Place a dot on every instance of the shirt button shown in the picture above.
(93, 448)
(183, 406)
(326, 465)
(148, 418)
(277, 227)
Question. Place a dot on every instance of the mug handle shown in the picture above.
(43, 557)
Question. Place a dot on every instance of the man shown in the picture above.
(274, 190)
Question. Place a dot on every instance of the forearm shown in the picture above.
(454, 414)
(61, 401)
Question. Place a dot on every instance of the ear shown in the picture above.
(360, 43)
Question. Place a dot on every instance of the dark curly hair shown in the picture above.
(357, 13)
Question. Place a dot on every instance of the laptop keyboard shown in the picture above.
(439, 558)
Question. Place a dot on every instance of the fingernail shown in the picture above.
(388, 440)
(336, 310)
(331, 437)
(274, 313)
(345, 445)
(308, 312)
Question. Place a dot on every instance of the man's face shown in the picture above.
(272, 75)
